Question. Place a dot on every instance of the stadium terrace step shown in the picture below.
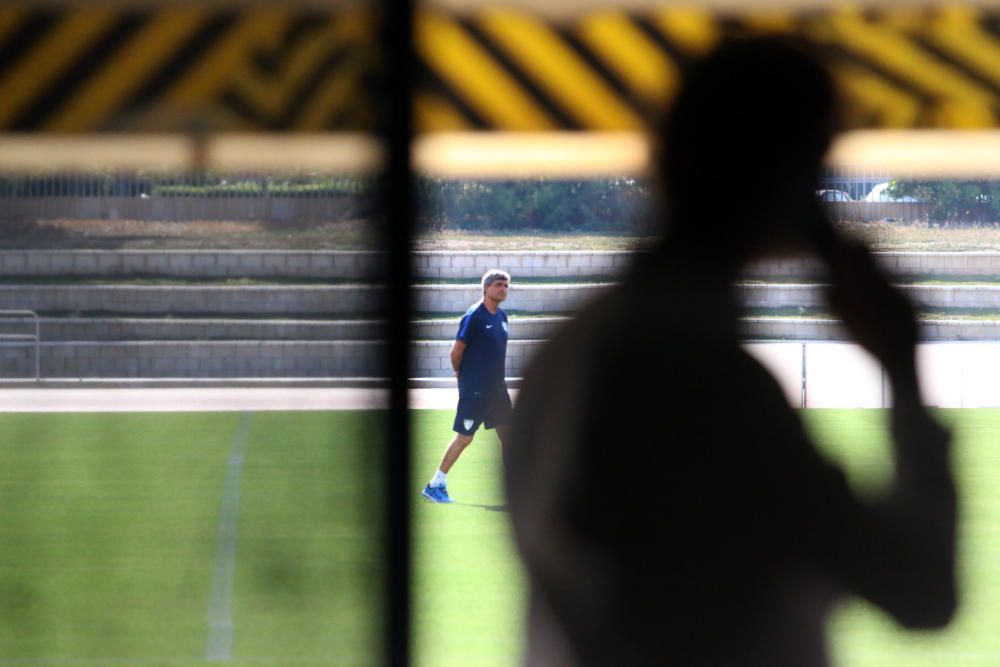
(557, 298)
(210, 328)
(194, 359)
(190, 264)
(779, 295)
(319, 330)
(902, 265)
(445, 328)
(360, 265)
(113, 329)
(228, 359)
(352, 300)
(430, 264)
(171, 328)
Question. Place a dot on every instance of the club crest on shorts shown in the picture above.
(505, 329)
(468, 424)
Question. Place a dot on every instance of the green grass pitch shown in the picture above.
(109, 528)
(109, 541)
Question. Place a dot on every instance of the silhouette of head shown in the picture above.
(743, 144)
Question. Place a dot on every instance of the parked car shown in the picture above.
(880, 193)
(833, 195)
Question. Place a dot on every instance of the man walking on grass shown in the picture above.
(478, 359)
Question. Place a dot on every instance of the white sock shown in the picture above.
(438, 479)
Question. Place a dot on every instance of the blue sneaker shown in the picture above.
(437, 494)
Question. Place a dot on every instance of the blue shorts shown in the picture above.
(490, 409)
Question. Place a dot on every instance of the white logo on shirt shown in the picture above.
(505, 326)
(489, 326)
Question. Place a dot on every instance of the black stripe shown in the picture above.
(834, 53)
(323, 72)
(99, 55)
(428, 80)
(269, 61)
(991, 24)
(631, 98)
(186, 57)
(682, 58)
(31, 31)
(952, 62)
(525, 82)
(359, 116)
(247, 108)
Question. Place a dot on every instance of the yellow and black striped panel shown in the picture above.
(612, 70)
(272, 67)
(267, 68)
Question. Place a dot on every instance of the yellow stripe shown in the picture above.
(49, 58)
(769, 22)
(435, 114)
(631, 54)
(340, 88)
(956, 30)
(148, 49)
(904, 19)
(893, 106)
(221, 65)
(487, 87)
(691, 29)
(571, 83)
(274, 93)
(900, 56)
(9, 20)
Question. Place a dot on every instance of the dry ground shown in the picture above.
(359, 234)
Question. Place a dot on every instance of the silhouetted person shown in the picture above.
(666, 501)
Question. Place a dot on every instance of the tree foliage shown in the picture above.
(613, 204)
(954, 201)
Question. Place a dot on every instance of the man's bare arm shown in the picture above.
(457, 352)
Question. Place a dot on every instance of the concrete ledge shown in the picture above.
(206, 264)
(365, 264)
(328, 300)
(169, 382)
(559, 298)
(778, 295)
(164, 328)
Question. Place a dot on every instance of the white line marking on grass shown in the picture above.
(192, 399)
(219, 646)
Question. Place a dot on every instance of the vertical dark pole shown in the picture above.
(397, 132)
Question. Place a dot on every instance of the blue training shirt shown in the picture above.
(485, 337)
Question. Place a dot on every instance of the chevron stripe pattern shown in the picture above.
(613, 70)
(277, 68)
(269, 68)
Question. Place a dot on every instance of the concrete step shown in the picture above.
(151, 328)
(211, 328)
(112, 329)
(966, 296)
(353, 300)
(190, 264)
(356, 299)
(551, 298)
(229, 359)
(521, 328)
(470, 265)
(193, 359)
(205, 359)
